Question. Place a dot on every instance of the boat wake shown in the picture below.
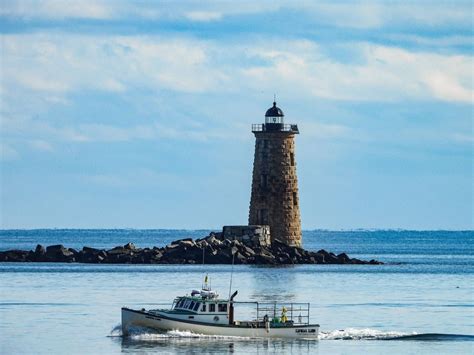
(145, 334)
(361, 334)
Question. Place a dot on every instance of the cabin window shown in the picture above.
(222, 307)
(203, 309)
(191, 306)
(186, 304)
(196, 306)
(179, 304)
(212, 307)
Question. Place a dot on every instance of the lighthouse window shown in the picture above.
(263, 180)
(295, 199)
(212, 307)
(222, 307)
(292, 159)
(265, 143)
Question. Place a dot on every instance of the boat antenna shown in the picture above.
(206, 278)
(233, 251)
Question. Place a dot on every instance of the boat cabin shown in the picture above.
(201, 309)
(199, 305)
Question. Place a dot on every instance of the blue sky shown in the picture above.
(137, 114)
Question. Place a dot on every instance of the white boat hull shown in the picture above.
(145, 319)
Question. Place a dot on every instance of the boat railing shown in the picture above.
(296, 313)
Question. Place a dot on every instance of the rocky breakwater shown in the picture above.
(209, 250)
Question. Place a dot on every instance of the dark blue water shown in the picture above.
(421, 301)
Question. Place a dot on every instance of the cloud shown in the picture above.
(41, 145)
(384, 73)
(58, 9)
(54, 64)
(48, 70)
(321, 130)
(60, 63)
(204, 16)
(360, 14)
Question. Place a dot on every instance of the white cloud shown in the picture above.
(350, 14)
(45, 69)
(385, 73)
(319, 130)
(41, 145)
(58, 9)
(203, 16)
(58, 64)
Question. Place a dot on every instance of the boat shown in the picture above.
(203, 312)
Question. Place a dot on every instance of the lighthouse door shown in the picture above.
(263, 216)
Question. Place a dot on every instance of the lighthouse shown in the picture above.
(274, 199)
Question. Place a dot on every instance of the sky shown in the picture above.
(138, 114)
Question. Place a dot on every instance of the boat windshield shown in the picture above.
(179, 304)
(184, 303)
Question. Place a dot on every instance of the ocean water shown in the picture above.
(421, 301)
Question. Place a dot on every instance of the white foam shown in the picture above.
(179, 334)
(145, 334)
(360, 334)
(116, 331)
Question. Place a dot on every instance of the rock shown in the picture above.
(319, 258)
(14, 255)
(92, 255)
(120, 250)
(247, 251)
(213, 241)
(58, 253)
(343, 258)
(187, 251)
(89, 250)
(129, 246)
(40, 250)
(182, 240)
(187, 243)
(239, 258)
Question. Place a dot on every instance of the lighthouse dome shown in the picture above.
(274, 111)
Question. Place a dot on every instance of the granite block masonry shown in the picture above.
(255, 235)
(274, 199)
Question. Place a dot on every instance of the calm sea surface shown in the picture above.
(422, 301)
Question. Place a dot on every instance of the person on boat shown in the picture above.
(283, 318)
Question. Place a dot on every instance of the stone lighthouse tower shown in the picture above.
(274, 200)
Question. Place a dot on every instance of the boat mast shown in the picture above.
(233, 251)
